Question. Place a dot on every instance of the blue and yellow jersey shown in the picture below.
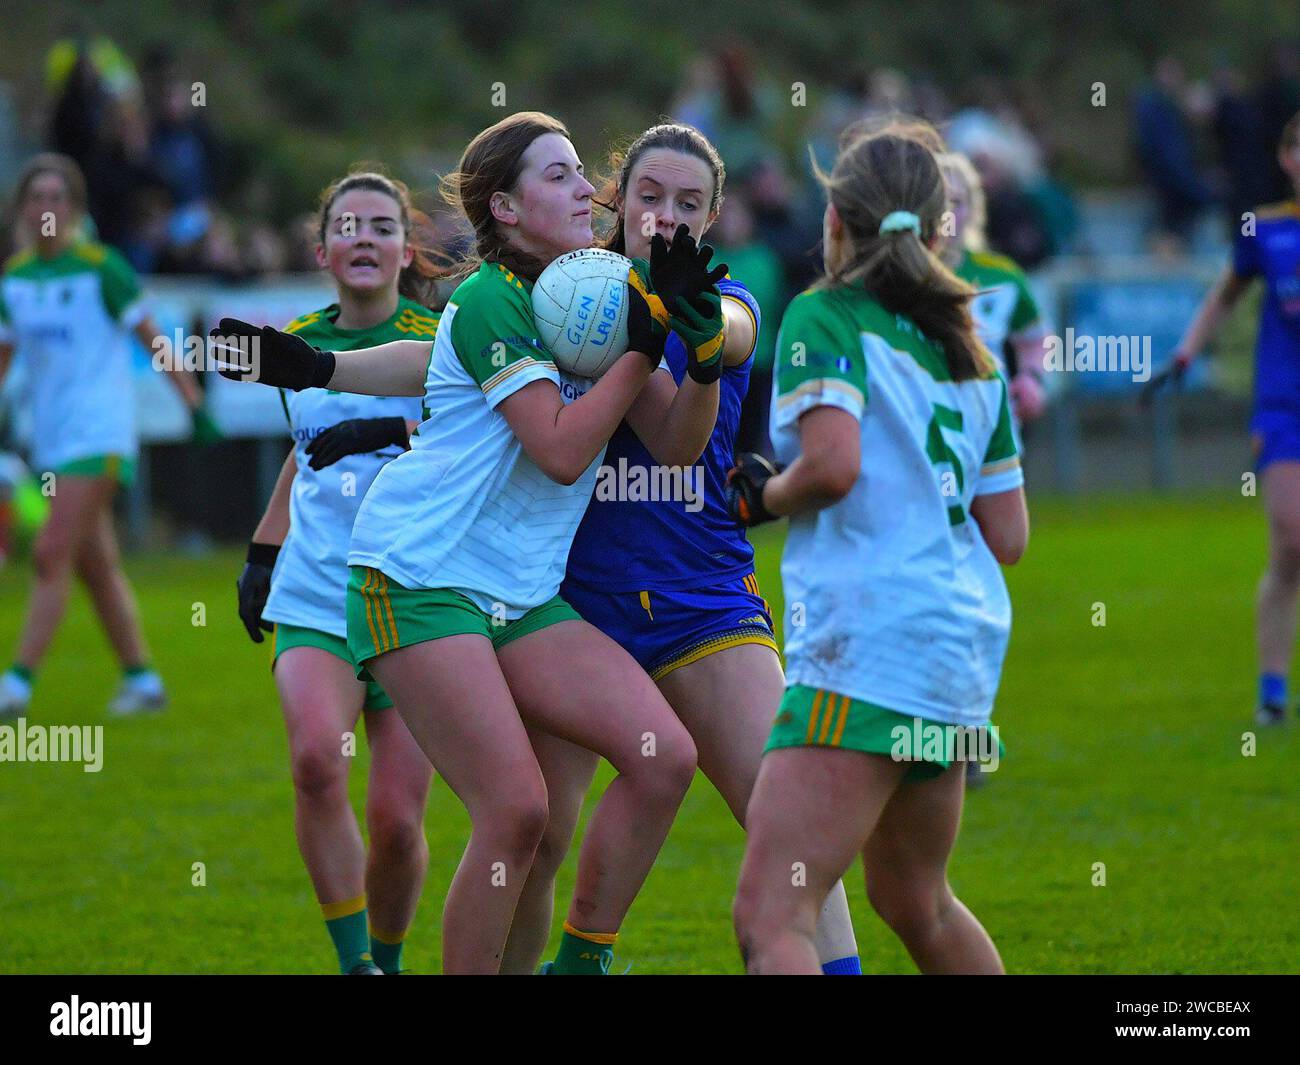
(1272, 254)
(633, 543)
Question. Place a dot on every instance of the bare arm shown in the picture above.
(564, 440)
(1214, 308)
(274, 526)
(828, 466)
(674, 421)
(191, 395)
(1003, 518)
(1031, 351)
(740, 332)
(1028, 393)
(397, 368)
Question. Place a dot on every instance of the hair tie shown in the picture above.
(896, 221)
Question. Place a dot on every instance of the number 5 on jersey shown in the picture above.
(951, 482)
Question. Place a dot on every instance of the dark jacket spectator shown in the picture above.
(1166, 151)
(1279, 99)
(1242, 149)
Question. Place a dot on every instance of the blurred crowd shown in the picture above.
(1002, 127)
(1211, 144)
(157, 173)
(162, 186)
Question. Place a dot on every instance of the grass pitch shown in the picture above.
(1124, 747)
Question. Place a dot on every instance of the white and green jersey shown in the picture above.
(311, 573)
(466, 508)
(892, 595)
(68, 317)
(1004, 307)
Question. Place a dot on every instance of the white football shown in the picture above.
(580, 303)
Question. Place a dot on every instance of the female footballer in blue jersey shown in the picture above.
(672, 580)
(1269, 250)
(459, 548)
(296, 577)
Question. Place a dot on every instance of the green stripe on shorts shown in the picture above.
(286, 637)
(384, 615)
(816, 717)
(119, 467)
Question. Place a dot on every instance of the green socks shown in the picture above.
(584, 953)
(387, 952)
(346, 922)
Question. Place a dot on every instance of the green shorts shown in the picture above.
(286, 636)
(383, 616)
(118, 467)
(814, 717)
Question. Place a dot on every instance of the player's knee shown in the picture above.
(552, 848)
(318, 770)
(667, 765)
(908, 908)
(51, 557)
(396, 827)
(762, 912)
(744, 915)
(515, 825)
(1286, 553)
(94, 567)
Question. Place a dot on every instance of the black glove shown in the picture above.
(680, 271)
(1171, 374)
(254, 585)
(700, 323)
(745, 483)
(647, 318)
(269, 356)
(357, 436)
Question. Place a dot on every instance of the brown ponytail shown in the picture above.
(417, 281)
(492, 163)
(876, 173)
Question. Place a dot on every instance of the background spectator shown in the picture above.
(1167, 154)
(750, 259)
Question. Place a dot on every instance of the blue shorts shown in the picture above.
(665, 630)
(1275, 436)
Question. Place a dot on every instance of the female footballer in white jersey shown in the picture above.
(672, 581)
(459, 547)
(299, 557)
(904, 491)
(1003, 309)
(69, 306)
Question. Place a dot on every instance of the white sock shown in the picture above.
(14, 685)
(146, 683)
(835, 938)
